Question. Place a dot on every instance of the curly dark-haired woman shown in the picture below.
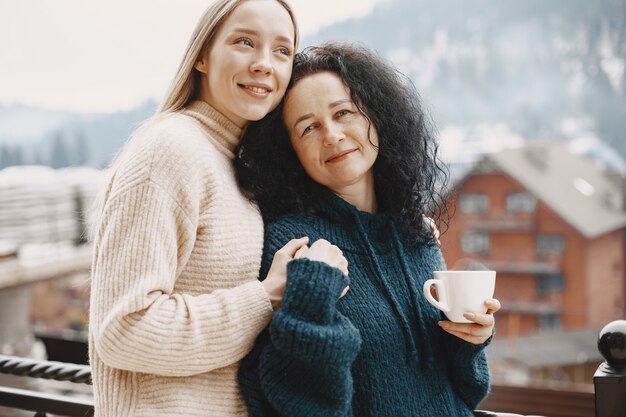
(349, 157)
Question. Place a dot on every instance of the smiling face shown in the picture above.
(335, 143)
(247, 68)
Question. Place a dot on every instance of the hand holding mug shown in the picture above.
(480, 327)
(465, 297)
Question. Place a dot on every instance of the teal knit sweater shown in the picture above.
(378, 351)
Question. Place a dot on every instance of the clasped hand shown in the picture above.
(321, 250)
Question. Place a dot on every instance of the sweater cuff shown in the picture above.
(464, 352)
(254, 305)
(313, 289)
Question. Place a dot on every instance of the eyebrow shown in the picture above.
(255, 33)
(331, 105)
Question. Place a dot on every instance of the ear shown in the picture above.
(201, 65)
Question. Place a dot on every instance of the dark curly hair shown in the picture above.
(409, 177)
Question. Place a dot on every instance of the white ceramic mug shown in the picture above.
(460, 292)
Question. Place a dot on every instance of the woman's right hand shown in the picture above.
(276, 278)
(324, 251)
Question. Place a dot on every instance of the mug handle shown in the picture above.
(440, 287)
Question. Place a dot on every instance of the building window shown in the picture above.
(550, 321)
(474, 203)
(475, 242)
(550, 244)
(520, 203)
(549, 283)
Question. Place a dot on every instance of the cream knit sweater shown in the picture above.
(175, 300)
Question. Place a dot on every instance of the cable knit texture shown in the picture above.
(175, 299)
(378, 351)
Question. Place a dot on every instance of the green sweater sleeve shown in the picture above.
(302, 365)
(467, 365)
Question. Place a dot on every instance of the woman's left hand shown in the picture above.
(477, 332)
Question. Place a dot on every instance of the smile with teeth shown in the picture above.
(255, 89)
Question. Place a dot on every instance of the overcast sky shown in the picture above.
(107, 55)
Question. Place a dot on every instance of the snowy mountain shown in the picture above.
(492, 74)
(546, 69)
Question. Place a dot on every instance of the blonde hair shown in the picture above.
(185, 86)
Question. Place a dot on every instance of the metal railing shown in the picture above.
(43, 403)
(609, 381)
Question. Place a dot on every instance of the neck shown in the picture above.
(362, 195)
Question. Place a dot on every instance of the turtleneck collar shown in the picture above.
(332, 206)
(222, 131)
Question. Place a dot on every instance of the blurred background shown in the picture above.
(529, 99)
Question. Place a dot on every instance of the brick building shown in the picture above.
(552, 224)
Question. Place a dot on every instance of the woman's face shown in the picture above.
(334, 142)
(247, 68)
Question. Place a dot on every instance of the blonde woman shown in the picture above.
(175, 299)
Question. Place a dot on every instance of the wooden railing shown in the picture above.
(535, 400)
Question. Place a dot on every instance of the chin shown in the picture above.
(256, 114)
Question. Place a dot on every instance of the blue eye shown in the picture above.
(243, 41)
(284, 51)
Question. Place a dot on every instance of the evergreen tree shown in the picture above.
(5, 156)
(37, 158)
(81, 150)
(18, 157)
(10, 155)
(59, 158)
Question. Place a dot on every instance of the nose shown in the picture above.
(333, 134)
(262, 62)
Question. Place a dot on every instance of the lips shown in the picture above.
(340, 156)
(256, 90)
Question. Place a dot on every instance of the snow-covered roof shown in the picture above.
(576, 189)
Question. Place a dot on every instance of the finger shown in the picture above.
(480, 319)
(340, 264)
(300, 253)
(460, 328)
(292, 246)
(344, 292)
(467, 329)
(343, 265)
(493, 305)
(475, 340)
(320, 242)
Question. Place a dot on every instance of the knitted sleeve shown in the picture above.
(469, 372)
(138, 321)
(301, 366)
